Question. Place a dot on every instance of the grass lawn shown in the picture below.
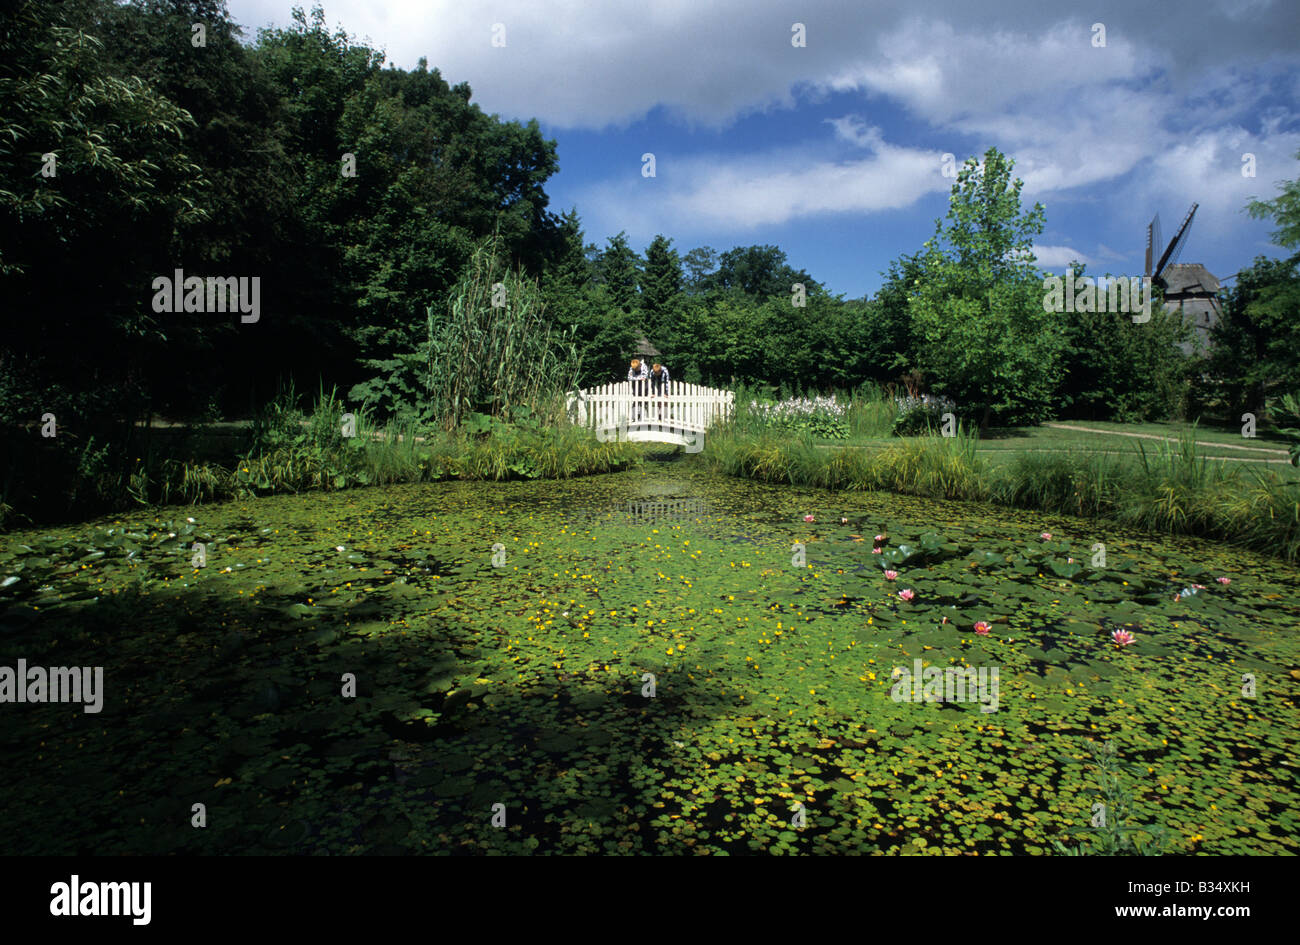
(1204, 434)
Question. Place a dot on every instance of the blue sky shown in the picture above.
(834, 151)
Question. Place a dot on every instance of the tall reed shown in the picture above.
(871, 412)
(492, 349)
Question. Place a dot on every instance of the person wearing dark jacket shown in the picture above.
(659, 379)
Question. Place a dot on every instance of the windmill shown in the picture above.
(1187, 287)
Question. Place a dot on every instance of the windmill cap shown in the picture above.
(1183, 277)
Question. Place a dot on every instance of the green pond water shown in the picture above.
(505, 640)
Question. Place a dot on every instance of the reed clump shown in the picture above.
(1172, 489)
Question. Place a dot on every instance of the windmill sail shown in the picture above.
(1175, 248)
(1153, 244)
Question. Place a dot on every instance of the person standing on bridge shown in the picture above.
(659, 379)
(637, 374)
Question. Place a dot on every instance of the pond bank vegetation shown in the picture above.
(1170, 488)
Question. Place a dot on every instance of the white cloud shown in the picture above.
(1058, 257)
(726, 192)
(575, 64)
(854, 130)
(944, 74)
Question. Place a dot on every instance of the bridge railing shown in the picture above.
(675, 406)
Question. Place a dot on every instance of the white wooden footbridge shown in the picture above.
(677, 413)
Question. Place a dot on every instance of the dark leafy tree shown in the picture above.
(887, 322)
(661, 287)
(760, 271)
(433, 176)
(619, 270)
(239, 139)
(1255, 347)
(699, 264)
(98, 195)
(1113, 368)
(603, 332)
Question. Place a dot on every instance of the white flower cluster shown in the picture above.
(924, 402)
(800, 407)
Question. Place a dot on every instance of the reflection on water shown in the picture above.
(655, 510)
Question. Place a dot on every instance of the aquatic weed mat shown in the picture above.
(656, 661)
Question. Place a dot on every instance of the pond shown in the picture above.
(657, 661)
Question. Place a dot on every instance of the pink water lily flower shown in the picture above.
(1046, 536)
(890, 575)
(1224, 580)
(1123, 637)
(875, 551)
(880, 538)
(809, 518)
(983, 628)
(906, 593)
(1200, 587)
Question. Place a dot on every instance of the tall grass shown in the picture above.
(492, 349)
(871, 413)
(747, 418)
(946, 467)
(1171, 490)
